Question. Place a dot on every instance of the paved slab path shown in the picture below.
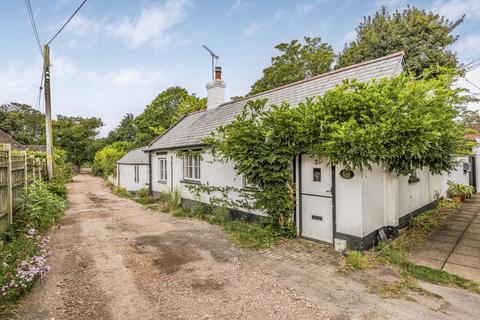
(455, 248)
(114, 259)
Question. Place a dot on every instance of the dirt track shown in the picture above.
(113, 259)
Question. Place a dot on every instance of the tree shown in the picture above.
(126, 130)
(163, 112)
(22, 122)
(425, 37)
(105, 161)
(297, 61)
(74, 135)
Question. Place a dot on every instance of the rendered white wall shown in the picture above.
(126, 176)
(212, 172)
(349, 203)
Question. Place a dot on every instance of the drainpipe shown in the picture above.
(150, 190)
(334, 208)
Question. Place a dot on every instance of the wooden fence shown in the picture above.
(17, 170)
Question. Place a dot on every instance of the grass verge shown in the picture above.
(396, 251)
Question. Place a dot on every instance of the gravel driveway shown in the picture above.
(114, 259)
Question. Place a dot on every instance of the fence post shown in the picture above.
(39, 169)
(8, 148)
(25, 169)
(33, 169)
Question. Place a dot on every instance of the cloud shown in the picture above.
(278, 14)
(454, 9)
(83, 31)
(252, 29)
(468, 45)
(237, 5)
(152, 27)
(305, 7)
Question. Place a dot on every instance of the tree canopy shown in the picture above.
(297, 61)
(425, 37)
(74, 135)
(22, 123)
(168, 107)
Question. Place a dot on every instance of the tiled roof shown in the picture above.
(190, 130)
(136, 156)
(5, 138)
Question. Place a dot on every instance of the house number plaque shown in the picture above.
(314, 217)
(346, 174)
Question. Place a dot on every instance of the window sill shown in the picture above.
(250, 189)
(190, 181)
(162, 181)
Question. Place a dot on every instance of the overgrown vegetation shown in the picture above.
(395, 252)
(23, 255)
(356, 260)
(23, 251)
(251, 235)
(402, 123)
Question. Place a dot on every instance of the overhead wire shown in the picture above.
(34, 25)
(40, 88)
(67, 22)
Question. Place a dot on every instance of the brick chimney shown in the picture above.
(216, 90)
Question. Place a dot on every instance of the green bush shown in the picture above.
(42, 207)
(105, 161)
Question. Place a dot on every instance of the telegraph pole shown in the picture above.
(48, 111)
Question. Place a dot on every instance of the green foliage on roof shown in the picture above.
(402, 123)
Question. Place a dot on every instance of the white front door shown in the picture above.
(316, 221)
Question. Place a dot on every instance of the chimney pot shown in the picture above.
(218, 73)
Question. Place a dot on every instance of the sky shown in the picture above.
(116, 55)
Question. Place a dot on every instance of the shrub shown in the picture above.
(42, 207)
(105, 161)
(459, 191)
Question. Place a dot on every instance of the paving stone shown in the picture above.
(442, 238)
(451, 233)
(463, 271)
(464, 260)
(470, 243)
(463, 249)
(456, 227)
(437, 250)
(426, 261)
(471, 235)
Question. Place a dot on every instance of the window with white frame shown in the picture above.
(136, 174)
(191, 167)
(162, 169)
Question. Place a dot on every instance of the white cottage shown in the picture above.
(334, 206)
(133, 170)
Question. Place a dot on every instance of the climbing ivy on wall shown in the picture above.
(403, 123)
